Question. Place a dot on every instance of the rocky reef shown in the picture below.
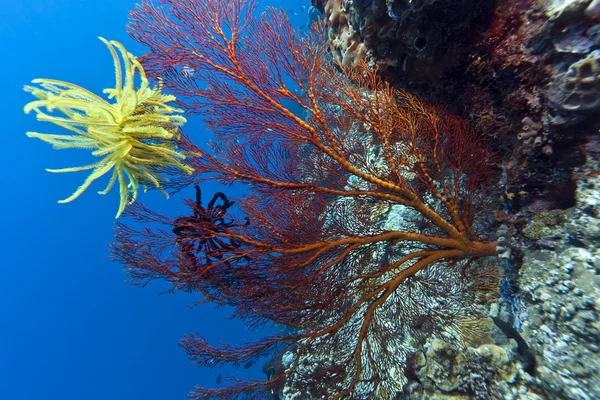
(488, 371)
(559, 282)
(558, 315)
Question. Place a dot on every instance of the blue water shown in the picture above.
(70, 328)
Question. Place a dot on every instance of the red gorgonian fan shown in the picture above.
(367, 208)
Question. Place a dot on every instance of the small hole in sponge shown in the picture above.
(420, 42)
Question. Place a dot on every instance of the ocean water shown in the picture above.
(70, 327)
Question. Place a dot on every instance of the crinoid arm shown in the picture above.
(135, 131)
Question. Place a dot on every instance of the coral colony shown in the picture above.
(369, 222)
(314, 256)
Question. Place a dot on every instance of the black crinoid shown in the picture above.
(202, 233)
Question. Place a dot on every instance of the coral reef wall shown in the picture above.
(560, 281)
(526, 74)
(418, 39)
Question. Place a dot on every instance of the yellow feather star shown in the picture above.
(136, 135)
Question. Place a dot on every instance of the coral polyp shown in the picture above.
(136, 134)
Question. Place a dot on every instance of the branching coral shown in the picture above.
(136, 135)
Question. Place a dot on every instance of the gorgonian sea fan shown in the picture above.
(368, 209)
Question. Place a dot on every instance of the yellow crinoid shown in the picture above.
(136, 134)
